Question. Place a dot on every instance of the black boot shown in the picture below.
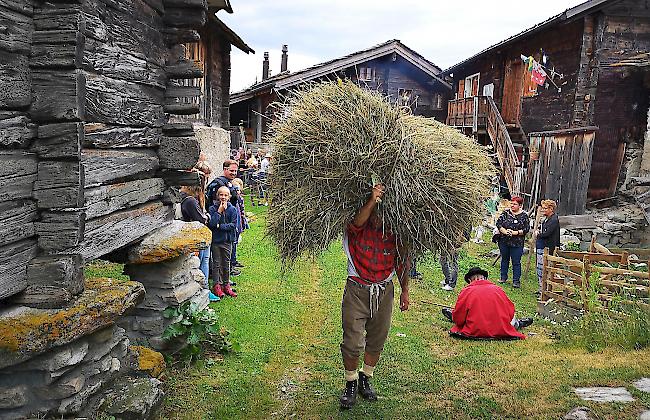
(525, 322)
(447, 313)
(349, 396)
(365, 389)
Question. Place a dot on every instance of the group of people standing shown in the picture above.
(220, 206)
(512, 226)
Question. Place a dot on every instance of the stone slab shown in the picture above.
(170, 241)
(604, 394)
(133, 398)
(27, 333)
(642, 384)
(580, 413)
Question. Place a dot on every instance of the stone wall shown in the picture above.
(215, 144)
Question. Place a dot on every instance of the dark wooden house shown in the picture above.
(392, 68)
(89, 142)
(579, 119)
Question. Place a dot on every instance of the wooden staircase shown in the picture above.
(509, 143)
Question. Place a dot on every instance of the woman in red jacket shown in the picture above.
(483, 310)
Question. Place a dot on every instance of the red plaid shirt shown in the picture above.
(373, 253)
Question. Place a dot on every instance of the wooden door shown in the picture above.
(512, 90)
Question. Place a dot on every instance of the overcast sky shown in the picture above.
(320, 30)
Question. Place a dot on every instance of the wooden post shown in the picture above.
(533, 238)
(586, 272)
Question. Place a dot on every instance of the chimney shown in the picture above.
(265, 66)
(285, 59)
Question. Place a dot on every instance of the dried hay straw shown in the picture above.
(334, 140)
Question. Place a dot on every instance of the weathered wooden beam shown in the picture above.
(178, 178)
(108, 199)
(116, 62)
(62, 140)
(55, 16)
(185, 17)
(175, 36)
(58, 95)
(18, 218)
(113, 101)
(104, 136)
(57, 49)
(107, 166)
(13, 266)
(59, 185)
(178, 108)
(52, 281)
(15, 91)
(17, 26)
(182, 91)
(178, 152)
(108, 233)
(186, 3)
(18, 171)
(59, 230)
(179, 129)
(16, 130)
(188, 69)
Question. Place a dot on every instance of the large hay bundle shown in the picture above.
(335, 140)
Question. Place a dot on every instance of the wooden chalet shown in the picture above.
(91, 144)
(553, 104)
(397, 71)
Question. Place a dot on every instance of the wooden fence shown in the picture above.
(567, 275)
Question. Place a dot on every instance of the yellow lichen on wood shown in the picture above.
(35, 330)
(149, 360)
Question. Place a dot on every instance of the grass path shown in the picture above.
(289, 362)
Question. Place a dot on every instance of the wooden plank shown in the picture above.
(186, 3)
(188, 69)
(58, 95)
(61, 140)
(113, 101)
(178, 129)
(107, 166)
(18, 218)
(566, 273)
(17, 27)
(52, 281)
(105, 136)
(13, 266)
(594, 257)
(623, 272)
(571, 302)
(57, 49)
(182, 91)
(179, 178)
(59, 184)
(175, 36)
(178, 152)
(107, 199)
(15, 75)
(569, 262)
(58, 16)
(18, 171)
(185, 17)
(59, 230)
(181, 108)
(16, 131)
(116, 62)
(109, 233)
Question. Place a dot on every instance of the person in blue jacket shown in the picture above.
(223, 223)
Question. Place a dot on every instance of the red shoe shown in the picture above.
(218, 290)
(229, 291)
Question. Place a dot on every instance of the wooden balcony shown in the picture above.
(469, 112)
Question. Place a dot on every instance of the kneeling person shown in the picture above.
(483, 310)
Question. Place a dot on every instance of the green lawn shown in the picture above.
(289, 363)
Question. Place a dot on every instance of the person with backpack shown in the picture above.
(230, 168)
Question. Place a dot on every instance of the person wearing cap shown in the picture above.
(367, 305)
(484, 311)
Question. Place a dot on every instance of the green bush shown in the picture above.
(199, 329)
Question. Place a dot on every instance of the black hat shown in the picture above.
(474, 271)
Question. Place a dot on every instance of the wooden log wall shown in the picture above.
(18, 165)
(85, 152)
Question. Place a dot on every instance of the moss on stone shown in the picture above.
(149, 360)
(188, 239)
(33, 331)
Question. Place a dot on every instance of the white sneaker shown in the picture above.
(443, 282)
(447, 288)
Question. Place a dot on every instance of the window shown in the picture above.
(488, 90)
(196, 51)
(367, 74)
(471, 85)
(404, 97)
(437, 101)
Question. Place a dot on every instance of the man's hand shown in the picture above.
(404, 300)
(377, 193)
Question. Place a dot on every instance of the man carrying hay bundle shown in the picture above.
(367, 304)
